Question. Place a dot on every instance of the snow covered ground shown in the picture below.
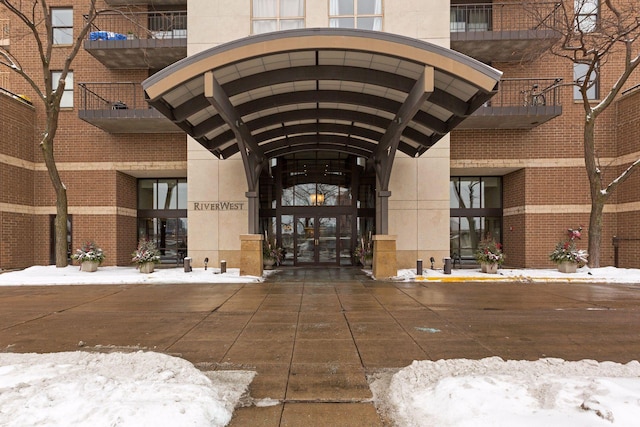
(146, 388)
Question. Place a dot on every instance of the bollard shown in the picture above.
(419, 268)
(433, 261)
(206, 261)
(187, 264)
(447, 265)
(223, 266)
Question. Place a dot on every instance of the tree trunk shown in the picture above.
(598, 198)
(61, 201)
(595, 232)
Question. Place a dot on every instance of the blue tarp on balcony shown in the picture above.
(106, 35)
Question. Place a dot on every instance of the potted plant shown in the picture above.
(89, 255)
(271, 253)
(146, 256)
(364, 250)
(489, 255)
(567, 255)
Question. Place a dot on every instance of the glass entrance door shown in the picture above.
(315, 240)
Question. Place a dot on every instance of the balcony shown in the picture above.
(519, 104)
(4, 32)
(138, 40)
(121, 108)
(503, 32)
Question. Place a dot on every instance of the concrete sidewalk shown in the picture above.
(313, 335)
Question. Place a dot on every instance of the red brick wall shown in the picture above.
(88, 158)
(16, 183)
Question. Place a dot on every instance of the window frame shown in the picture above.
(593, 93)
(55, 28)
(278, 18)
(586, 15)
(68, 87)
(354, 17)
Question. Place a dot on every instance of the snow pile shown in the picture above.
(45, 275)
(526, 275)
(494, 392)
(96, 389)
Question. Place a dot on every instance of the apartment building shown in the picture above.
(206, 124)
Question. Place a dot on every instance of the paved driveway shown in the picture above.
(313, 335)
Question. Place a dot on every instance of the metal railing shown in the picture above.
(129, 95)
(139, 25)
(527, 93)
(112, 96)
(503, 17)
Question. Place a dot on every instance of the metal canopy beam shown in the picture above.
(386, 150)
(252, 156)
(328, 114)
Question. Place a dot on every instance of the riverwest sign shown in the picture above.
(218, 206)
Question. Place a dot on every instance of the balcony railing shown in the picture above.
(503, 17)
(112, 96)
(519, 104)
(527, 93)
(121, 108)
(139, 25)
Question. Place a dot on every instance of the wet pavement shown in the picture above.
(313, 335)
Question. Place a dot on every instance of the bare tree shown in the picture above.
(592, 35)
(35, 19)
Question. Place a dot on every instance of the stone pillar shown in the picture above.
(251, 254)
(385, 263)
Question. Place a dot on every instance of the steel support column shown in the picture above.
(386, 151)
(252, 156)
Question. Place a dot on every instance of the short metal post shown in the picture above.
(223, 266)
(419, 267)
(206, 261)
(433, 263)
(447, 265)
(187, 264)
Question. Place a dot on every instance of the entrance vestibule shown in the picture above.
(316, 206)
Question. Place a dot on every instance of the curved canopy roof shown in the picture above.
(354, 91)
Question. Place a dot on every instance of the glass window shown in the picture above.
(62, 25)
(67, 96)
(579, 74)
(273, 15)
(586, 15)
(491, 192)
(162, 210)
(166, 193)
(476, 212)
(362, 14)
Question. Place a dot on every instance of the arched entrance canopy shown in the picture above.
(365, 93)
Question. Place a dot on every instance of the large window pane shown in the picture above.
(341, 7)
(62, 24)
(67, 97)
(491, 192)
(468, 193)
(291, 8)
(579, 73)
(369, 7)
(265, 8)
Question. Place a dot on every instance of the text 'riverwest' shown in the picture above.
(218, 206)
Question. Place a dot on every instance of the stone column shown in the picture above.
(385, 263)
(251, 254)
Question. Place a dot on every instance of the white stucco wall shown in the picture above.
(419, 204)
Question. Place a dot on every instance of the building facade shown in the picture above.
(513, 169)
